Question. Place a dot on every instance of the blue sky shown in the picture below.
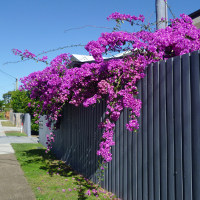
(39, 25)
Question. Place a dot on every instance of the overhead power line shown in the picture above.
(7, 74)
(16, 79)
(81, 27)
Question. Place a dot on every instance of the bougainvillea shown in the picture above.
(29, 55)
(112, 79)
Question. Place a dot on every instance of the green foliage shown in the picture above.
(19, 104)
(7, 107)
(2, 116)
(19, 101)
(34, 126)
(7, 97)
(1, 104)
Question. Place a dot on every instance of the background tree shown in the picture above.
(19, 103)
(1, 104)
(7, 97)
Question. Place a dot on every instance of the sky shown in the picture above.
(42, 25)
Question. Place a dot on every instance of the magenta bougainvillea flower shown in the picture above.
(114, 79)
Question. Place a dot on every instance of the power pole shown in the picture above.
(161, 12)
(16, 84)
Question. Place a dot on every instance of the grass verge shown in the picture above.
(14, 133)
(7, 123)
(53, 179)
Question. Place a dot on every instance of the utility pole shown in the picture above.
(16, 84)
(161, 12)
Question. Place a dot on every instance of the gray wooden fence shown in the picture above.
(159, 162)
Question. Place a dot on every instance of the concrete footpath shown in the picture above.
(13, 184)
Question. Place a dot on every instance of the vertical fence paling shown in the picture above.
(143, 126)
(195, 123)
(163, 131)
(159, 162)
(186, 121)
(178, 128)
(150, 131)
(156, 136)
(170, 129)
(138, 155)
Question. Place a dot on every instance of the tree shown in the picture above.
(7, 97)
(19, 103)
(1, 104)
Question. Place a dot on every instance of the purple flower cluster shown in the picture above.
(105, 145)
(43, 59)
(104, 87)
(179, 38)
(16, 51)
(129, 18)
(108, 42)
(114, 79)
(28, 54)
(25, 54)
(48, 86)
(50, 139)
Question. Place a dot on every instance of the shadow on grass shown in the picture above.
(53, 166)
(84, 185)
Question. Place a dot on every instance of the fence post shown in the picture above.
(27, 123)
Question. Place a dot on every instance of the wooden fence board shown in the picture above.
(129, 161)
(117, 158)
(139, 150)
(163, 131)
(195, 108)
(150, 131)
(186, 121)
(125, 156)
(170, 130)
(178, 129)
(144, 140)
(156, 136)
(121, 142)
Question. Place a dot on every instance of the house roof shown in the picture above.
(86, 58)
(196, 18)
(195, 14)
(77, 59)
(81, 58)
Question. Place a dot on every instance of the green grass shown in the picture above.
(14, 133)
(53, 179)
(2, 116)
(7, 123)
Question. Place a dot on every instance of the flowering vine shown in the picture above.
(29, 55)
(113, 79)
